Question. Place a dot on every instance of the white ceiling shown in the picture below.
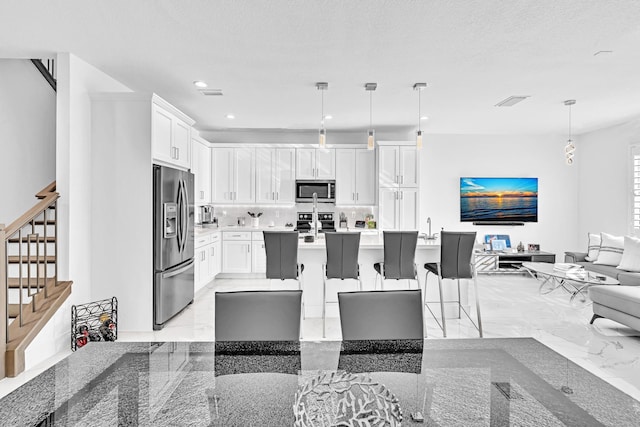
(266, 57)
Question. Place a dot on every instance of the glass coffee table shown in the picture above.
(575, 281)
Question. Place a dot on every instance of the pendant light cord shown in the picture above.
(322, 111)
(570, 139)
(370, 109)
(419, 105)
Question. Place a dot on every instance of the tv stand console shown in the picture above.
(505, 262)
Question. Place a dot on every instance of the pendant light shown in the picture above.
(570, 148)
(419, 87)
(370, 87)
(322, 140)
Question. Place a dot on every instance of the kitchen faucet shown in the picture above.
(314, 216)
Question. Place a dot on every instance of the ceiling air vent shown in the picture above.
(211, 92)
(511, 101)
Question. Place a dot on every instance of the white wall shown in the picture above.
(27, 136)
(446, 158)
(603, 160)
(76, 79)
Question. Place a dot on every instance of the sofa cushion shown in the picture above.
(631, 255)
(593, 246)
(629, 279)
(610, 250)
(607, 270)
(622, 298)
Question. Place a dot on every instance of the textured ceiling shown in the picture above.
(267, 56)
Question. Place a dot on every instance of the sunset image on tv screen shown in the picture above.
(499, 199)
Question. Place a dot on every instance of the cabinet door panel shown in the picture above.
(388, 160)
(345, 176)
(236, 256)
(388, 209)
(408, 167)
(216, 260)
(161, 135)
(285, 175)
(408, 209)
(326, 163)
(201, 168)
(221, 182)
(244, 171)
(180, 140)
(365, 176)
(305, 163)
(265, 162)
(259, 258)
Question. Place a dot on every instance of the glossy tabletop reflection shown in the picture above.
(462, 382)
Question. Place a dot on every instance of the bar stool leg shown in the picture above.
(324, 300)
(444, 324)
(459, 302)
(475, 285)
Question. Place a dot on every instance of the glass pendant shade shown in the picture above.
(569, 150)
(419, 140)
(322, 140)
(371, 140)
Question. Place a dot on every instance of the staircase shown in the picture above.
(28, 273)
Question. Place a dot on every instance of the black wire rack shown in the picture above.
(94, 321)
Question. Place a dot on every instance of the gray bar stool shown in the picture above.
(399, 257)
(456, 251)
(342, 263)
(281, 248)
(381, 315)
(258, 316)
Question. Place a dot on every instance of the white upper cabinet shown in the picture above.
(201, 168)
(365, 181)
(398, 209)
(398, 166)
(315, 163)
(355, 176)
(408, 166)
(275, 175)
(285, 182)
(345, 176)
(171, 135)
(233, 175)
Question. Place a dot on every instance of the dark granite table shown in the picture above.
(471, 382)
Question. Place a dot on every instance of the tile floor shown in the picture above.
(511, 307)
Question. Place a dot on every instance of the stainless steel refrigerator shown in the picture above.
(173, 262)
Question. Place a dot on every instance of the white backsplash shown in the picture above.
(281, 215)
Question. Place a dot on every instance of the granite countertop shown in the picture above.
(469, 382)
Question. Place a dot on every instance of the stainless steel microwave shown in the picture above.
(326, 191)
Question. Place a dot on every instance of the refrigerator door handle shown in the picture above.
(179, 222)
(180, 270)
(185, 217)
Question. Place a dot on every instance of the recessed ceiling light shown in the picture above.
(328, 117)
(230, 116)
(200, 84)
(424, 118)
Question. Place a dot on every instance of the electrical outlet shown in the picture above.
(353, 214)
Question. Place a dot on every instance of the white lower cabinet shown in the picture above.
(207, 259)
(243, 252)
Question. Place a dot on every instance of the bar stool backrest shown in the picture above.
(456, 249)
(282, 254)
(342, 255)
(258, 315)
(400, 254)
(381, 315)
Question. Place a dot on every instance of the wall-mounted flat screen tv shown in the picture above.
(498, 199)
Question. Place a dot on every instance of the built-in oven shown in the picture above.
(326, 191)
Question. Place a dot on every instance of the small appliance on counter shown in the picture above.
(206, 215)
(343, 220)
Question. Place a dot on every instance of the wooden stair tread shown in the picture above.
(13, 310)
(15, 259)
(14, 282)
(40, 239)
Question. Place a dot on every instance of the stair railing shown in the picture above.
(23, 230)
